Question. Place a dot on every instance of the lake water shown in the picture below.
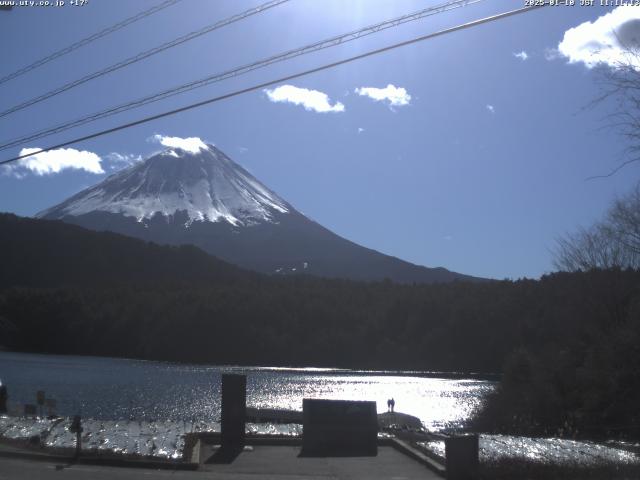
(121, 389)
(145, 408)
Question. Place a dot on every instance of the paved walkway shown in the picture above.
(269, 463)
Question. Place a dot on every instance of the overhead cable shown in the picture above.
(280, 57)
(269, 83)
(88, 40)
(142, 55)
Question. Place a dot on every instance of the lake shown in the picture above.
(145, 408)
(117, 389)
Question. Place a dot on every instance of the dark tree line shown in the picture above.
(579, 372)
(568, 343)
(308, 321)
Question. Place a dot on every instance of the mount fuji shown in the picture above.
(199, 196)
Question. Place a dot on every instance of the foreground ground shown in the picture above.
(276, 463)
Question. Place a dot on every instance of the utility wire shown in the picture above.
(142, 55)
(269, 83)
(310, 48)
(88, 40)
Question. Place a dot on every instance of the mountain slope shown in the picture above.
(41, 253)
(206, 184)
(201, 197)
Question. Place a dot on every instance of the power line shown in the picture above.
(287, 55)
(243, 69)
(88, 40)
(142, 55)
(269, 83)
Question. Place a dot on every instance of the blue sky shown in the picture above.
(476, 163)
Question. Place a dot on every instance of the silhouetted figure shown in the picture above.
(392, 403)
(3, 398)
(389, 405)
(76, 427)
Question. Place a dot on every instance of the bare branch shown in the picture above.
(612, 243)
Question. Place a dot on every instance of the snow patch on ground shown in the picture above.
(161, 438)
(544, 450)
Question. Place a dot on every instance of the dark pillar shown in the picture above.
(3, 399)
(234, 404)
(76, 427)
(462, 457)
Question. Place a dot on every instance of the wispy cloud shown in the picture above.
(311, 100)
(190, 144)
(605, 41)
(360, 129)
(395, 96)
(521, 55)
(491, 108)
(552, 54)
(118, 160)
(54, 161)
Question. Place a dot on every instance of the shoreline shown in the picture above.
(305, 370)
(193, 460)
(158, 442)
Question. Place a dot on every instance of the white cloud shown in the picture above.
(396, 96)
(360, 129)
(521, 55)
(191, 144)
(54, 161)
(605, 41)
(311, 100)
(243, 149)
(491, 108)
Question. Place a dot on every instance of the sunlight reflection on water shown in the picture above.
(113, 389)
(437, 402)
(142, 407)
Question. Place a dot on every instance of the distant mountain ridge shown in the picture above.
(201, 197)
(51, 254)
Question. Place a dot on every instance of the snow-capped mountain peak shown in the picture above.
(201, 181)
(193, 194)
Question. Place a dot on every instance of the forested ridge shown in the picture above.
(569, 341)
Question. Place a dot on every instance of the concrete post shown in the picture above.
(234, 404)
(76, 427)
(3, 399)
(462, 457)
